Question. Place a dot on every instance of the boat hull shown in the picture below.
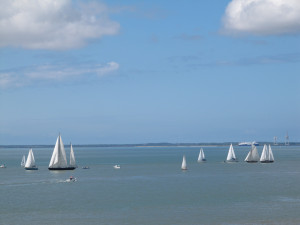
(65, 168)
(251, 161)
(267, 161)
(31, 168)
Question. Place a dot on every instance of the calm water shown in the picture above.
(150, 188)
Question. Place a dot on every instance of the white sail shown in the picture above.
(271, 157)
(265, 154)
(30, 162)
(231, 155)
(72, 158)
(58, 159)
(252, 155)
(183, 165)
(23, 161)
(201, 156)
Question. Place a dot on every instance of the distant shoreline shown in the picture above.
(151, 145)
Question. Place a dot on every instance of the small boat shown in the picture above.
(248, 143)
(201, 157)
(231, 155)
(2, 166)
(23, 161)
(85, 167)
(267, 155)
(71, 179)
(59, 160)
(253, 155)
(30, 162)
(117, 166)
(183, 165)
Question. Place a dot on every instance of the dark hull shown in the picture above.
(33, 168)
(65, 168)
(251, 161)
(267, 161)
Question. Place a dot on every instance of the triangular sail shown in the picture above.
(30, 162)
(271, 157)
(183, 165)
(72, 157)
(252, 155)
(231, 155)
(264, 154)
(23, 161)
(58, 159)
(201, 156)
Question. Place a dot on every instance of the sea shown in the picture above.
(150, 188)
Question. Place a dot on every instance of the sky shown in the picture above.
(117, 72)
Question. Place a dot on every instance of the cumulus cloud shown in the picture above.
(46, 74)
(262, 17)
(53, 24)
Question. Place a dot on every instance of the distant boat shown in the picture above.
(201, 157)
(117, 166)
(23, 161)
(59, 160)
(253, 155)
(85, 167)
(267, 155)
(30, 162)
(2, 166)
(248, 143)
(72, 157)
(231, 155)
(71, 179)
(183, 165)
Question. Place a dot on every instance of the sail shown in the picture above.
(264, 154)
(30, 162)
(58, 159)
(183, 165)
(271, 157)
(231, 154)
(23, 161)
(201, 156)
(252, 155)
(72, 158)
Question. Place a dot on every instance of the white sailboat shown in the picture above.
(183, 165)
(231, 155)
(201, 157)
(59, 160)
(267, 155)
(72, 158)
(30, 162)
(23, 161)
(253, 155)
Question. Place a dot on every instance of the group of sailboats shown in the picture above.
(29, 164)
(252, 157)
(58, 160)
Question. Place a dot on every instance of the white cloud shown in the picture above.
(53, 24)
(262, 17)
(55, 74)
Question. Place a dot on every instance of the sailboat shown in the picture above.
(59, 160)
(267, 155)
(23, 161)
(231, 155)
(201, 157)
(30, 162)
(183, 165)
(252, 156)
(72, 158)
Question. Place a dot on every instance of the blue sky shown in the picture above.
(117, 72)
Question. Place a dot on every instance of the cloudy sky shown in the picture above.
(149, 71)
